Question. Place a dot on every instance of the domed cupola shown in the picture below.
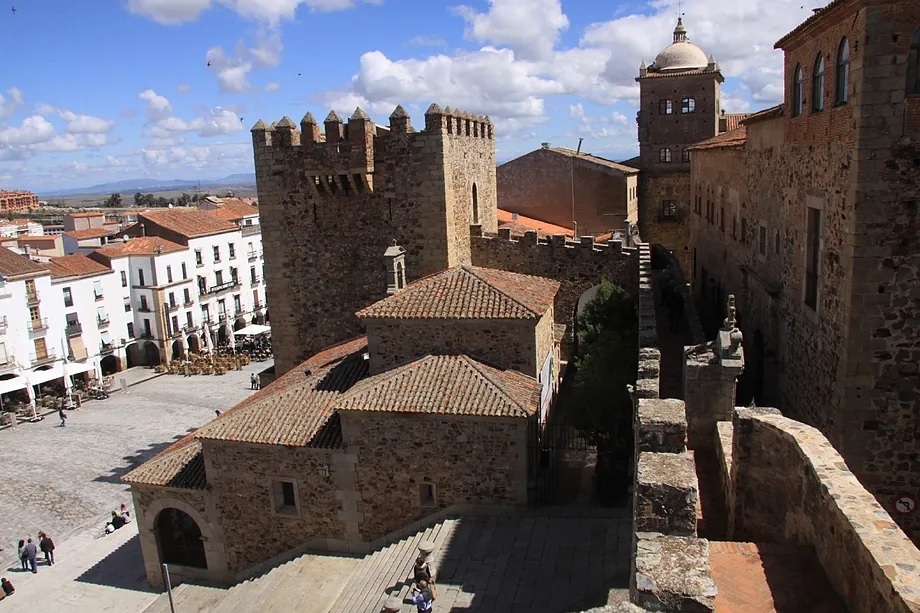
(680, 54)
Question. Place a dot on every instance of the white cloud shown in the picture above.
(157, 106)
(10, 103)
(172, 12)
(266, 52)
(32, 130)
(85, 124)
(169, 12)
(272, 86)
(530, 27)
(74, 142)
(219, 157)
(427, 41)
(183, 88)
(218, 121)
(232, 72)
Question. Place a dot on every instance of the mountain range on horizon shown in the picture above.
(151, 185)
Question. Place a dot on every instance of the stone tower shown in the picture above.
(680, 104)
(332, 199)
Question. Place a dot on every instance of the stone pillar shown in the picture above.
(711, 371)
(392, 605)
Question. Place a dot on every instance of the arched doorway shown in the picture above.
(475, 205)
(223, 336)
(152, 354)
(179, 539)
(178, 349)
(194, 346)
(266, 320)
(260, 319)
(255, 318)
(133, 355)
(239, 324)
(109, 365)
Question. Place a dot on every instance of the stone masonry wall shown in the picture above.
(791, 486)
(241, 477)
(654, 227)
(330, 209)
(471, 460)
(508, 344)
(540, 183)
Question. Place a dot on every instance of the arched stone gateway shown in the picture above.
(179, 539)
(151, 354)
(110, 365)
(133, 355)
(239, 324)
(194, 345)
(178, 349)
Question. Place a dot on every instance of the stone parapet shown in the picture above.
(709, 391)
(791, 486)
(672, 574)
(723, 448)
(666, 494)
(647, 385)
(661, 426)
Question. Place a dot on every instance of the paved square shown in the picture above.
(61, 479)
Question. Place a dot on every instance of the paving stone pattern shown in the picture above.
(62, 479)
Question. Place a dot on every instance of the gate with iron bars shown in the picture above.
(556, 454)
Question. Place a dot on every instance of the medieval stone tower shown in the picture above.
(331, 201)
(680, 101)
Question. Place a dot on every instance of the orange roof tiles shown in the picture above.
(15, 265)
(140, 245)
(233, 210)
(75, 266)
(90, 233)
(180, 465)
(468, 292)
(187, 222)
(733, 120)
(86, 214)
(521, 224)
(735, 138)
(768, 113)
(446, 384)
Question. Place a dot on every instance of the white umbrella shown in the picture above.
(253, 330)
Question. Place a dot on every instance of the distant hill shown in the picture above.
(155, 185)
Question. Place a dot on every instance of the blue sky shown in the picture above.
(107, 90)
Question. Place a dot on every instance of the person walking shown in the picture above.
(253, 381)
(422, 570)
(22, 555)
(63, 416)
(424, 596)
(47, 546)
(32, 554)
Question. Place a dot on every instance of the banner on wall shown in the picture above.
(546, 392)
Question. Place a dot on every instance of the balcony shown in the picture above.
(99, 297)
(257, 305)
(144, 308)
(7, 363)
(3, 323)
(250, 230)
(188, 329)
(37, 359)
(189, 302)
(222, 316)
(32, 298)
(102, 322)
(232, 284)
(74, 329)
(172, 306)
(105, 348)
(36, 325)
(255, 280)
(146, 335)
(254, 255)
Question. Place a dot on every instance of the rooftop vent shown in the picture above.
(544, 145)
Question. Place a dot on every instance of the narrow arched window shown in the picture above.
(817, 85)
(797, 91)
(913, 65)
(475, 205)
(687, 105)
(842, 78)
(665, 107)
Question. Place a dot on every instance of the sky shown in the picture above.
(105, 90)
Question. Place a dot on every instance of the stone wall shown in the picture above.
(654, 226)
(540, 185)
(507, 344)
(240, 478)
(330, 209)
(791, 486)
(471, 460)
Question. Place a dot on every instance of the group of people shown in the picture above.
(424, 592)
(119, 519)
(28, 552)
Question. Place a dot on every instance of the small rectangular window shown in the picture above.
(668, 209)
(812, 257)
(284, 498)
(664, 155)
(428, 495)
(198, 260)
(216, 253)
(232, 249)
(140, 277)
(685, 155)
(776, 243)
(130, 330)
(184, 271)
(97, 288)
(687, 105)
(68, 297)
(124, 279)
(169, 274)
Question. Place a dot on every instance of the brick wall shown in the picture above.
(539, 185)
(472, 460)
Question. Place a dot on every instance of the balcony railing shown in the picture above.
(223, 316)
(42, 358)
(250, 229)
(254, 255)
(99, 297)
(106, 347)
(33, 298)
(189, 302)
(7, 363)
(191, 328)
(232, 284)
(74, 329)
(172, 306)
(146, 335)
(102, 322)
(144, 308)
(255, 280)
(3, 323)
(257, 305)
(38, 324)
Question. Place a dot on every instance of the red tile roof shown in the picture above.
(769, 113)
(75, 266)
(726, 140)
(468, 292)
(234, 210)
(654, 74)
(455, 385)
(180, 465)
(90, 233)
(187, 222)
(733, 120)
(520, 224)
(140, 245)
(15, 265)
(86, 214)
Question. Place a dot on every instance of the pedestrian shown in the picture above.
(253, 380)
(32, 554)
(422, 570)
(217, 412)
(63, 416)
(424, 596)
(7, 586)
(22, 554)
(47, 546)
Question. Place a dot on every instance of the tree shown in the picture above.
(113, 201)
(138, 199)
(607, 361)
(184, 200)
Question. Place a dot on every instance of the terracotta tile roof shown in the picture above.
(86, 214)
(296, 408)
(468, 292)
(769, 113)
(140, 245)
(75, 266)
(187, 222)
(735, 138)
(35, 238)
(15, 265)
(234, 210)
(654, 74)
(521, 224)
(817, 14)
(180, 465)
(587, 157)
(90, 233)
(733, 120)
(446, 384)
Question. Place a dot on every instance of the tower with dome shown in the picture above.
(680, 105)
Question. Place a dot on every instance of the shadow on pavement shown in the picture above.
(122, 569)
(137, 458)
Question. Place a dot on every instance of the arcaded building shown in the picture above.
(680, 104)
(808, 215)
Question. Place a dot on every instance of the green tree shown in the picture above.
(138, 199)
(184, 200)
(607, 361)
(113, 201)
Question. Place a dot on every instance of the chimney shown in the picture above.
(545, 145)
(395, 260)
(143, 229)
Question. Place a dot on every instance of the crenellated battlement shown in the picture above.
(457, 123)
